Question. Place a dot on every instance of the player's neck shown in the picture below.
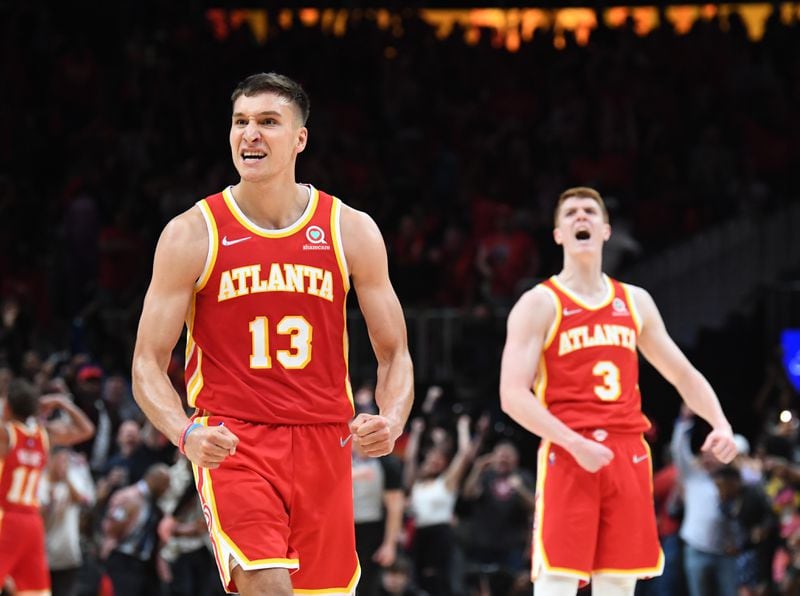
(584, 279)
(272, 204)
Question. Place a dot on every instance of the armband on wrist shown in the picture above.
(185, 433)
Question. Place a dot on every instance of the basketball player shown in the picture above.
(570, 375)
(259, 273)
(24, 446)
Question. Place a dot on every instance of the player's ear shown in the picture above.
(558, 236)
(302, 139)
(606, 231)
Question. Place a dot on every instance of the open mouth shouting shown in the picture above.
(583, 234)
(252, 156)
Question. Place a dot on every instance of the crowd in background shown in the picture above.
(448, 513)
(458, 152)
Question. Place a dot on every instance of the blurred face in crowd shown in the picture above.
(128, 436)
(581, 226)
(266, 136)
(435, 463)
(505, 459)
(395, 581)
(59, 464)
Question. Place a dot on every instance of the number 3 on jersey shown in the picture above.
(300, 332)
(610, 390)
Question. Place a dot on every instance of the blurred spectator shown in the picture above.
(185, 560)
(117, 471)
(89, 398)
(709, 565)
(754, 530)
(397, 580)
(433, 487)
(130, 539)
(378, 502)
(501, 498)
(65, 491)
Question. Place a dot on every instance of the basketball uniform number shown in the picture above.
(23, 486)
(610, 389)
(297, 328)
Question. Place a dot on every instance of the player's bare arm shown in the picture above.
(179, 261)
(527, 327)
(667, 358)
(367, 262)
(77, 429)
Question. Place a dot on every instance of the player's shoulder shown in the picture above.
(186, 228)
(539, 296)
(637, 293)
(536, 306)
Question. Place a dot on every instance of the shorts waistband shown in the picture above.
(601, 434)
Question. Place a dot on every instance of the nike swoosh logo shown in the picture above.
(574, 311)
(639, 458)
(226, 242)
(343, 442)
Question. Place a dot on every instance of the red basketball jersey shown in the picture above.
(22, 467)
(266, 337)
(589, 370)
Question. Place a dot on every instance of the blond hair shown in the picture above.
(582, 192)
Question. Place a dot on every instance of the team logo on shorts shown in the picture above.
(316, 236)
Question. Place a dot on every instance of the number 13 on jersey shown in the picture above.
(296, 327)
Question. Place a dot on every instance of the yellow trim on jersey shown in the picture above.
(346, 591)
(213, 245)
(237, 213)
(577, 300)
(540, 384)
(637, 318)
(338, 250)
(551, 333)
(336, 240)
(195, 384)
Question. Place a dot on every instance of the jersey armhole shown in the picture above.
(213, 243)
(551, 332)
(637, 318)
(338, 248)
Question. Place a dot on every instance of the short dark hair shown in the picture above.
(23, 399)
(727, 472)
(280, 85)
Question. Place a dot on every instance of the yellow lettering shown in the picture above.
(226, 290)
(612, 334)
(575, 337)
(276, 283)
(257, 284)
(326, 291)
(241, 274)
(564, 344)
(599, 336)
(314, 274)
(294, 277)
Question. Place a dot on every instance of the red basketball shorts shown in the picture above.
(22, 551)
(596, 523)
(284, 500)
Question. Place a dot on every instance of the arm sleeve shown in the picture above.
(392, 472)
